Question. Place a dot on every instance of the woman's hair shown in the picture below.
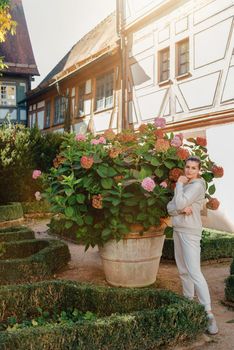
(194, 159)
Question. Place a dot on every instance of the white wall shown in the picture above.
(220, 141)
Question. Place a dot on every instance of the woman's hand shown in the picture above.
(183, 179)
(187, 211)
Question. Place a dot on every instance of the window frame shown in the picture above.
(161, 62)
(4, 101)
(61, 110)
(106, 87)
(178, 58)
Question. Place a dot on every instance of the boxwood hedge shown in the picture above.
(214, 245)
(15, 233)
(133, 319)
(11, 211)
(229, 289)
(29, 260)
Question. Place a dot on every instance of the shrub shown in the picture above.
(15, 233)
(57, 226)
(22, 150)
(133, 319)
(36, 207)
(107, 184)
(11, 211)
(229, 289)
(214, 245)
(48, 256)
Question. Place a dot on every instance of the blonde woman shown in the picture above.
(185, 210)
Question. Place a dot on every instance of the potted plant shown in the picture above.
(115, 188)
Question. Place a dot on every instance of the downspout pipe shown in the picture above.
(120, 32)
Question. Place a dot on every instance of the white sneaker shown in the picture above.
(212, 325)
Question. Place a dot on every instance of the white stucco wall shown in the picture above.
(220, 141)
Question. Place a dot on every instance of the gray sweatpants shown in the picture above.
(187, 255)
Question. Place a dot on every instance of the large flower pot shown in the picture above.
(134, 260)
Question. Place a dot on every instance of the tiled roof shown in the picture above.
(99, 40)
(17, 49)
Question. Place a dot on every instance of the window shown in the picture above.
(182, 50)
(60, 107)
(40, 120)
(164, 64)
(7, 94)
(81, 111)
(47, 114)
(104, 91)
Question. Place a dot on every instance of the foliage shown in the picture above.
(28, 260)
(22, 150)
(70, 316)
(214, 245)
(7, 25)
(16, 233)
(130, 319)
(229, 282)
(11, 211)
(106, 184)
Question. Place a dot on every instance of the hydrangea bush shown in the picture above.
(108, 183)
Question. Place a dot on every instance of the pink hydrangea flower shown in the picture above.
(80, 137)
(38, 196)
(176, 141)
(160, 122)
(102, 140)
(36, 174)
(163, 184)
(94, 142)
(148, 184)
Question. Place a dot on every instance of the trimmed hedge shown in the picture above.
(15, 233)
(229, 289)
(133, 319)
(11, 211)
(214, 245)
(22, 249)
(232, 268)
(57, 227)
(36, 207)
(53, 256)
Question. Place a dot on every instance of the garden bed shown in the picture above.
(36, 209)
(133, 319)
(15, 233)
(30, 260)
(215, 245)
(229, 289)
(11, 211)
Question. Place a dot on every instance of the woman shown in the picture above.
(185, 210)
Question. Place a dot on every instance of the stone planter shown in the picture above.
(134, 260)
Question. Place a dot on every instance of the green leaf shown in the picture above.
(69, 192)
(107, 183)
(154, 161)
(145, 172)
(169, 164)
(208, 176)
(80, 198)
(159, 172)
(68, 224)
(106, 233)
(88, 220)
(102, 171)
(69, 212)
(111, 172)
(168, 232)
(79, 221)
(211, 189)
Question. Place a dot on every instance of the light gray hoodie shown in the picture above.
(186, 195)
